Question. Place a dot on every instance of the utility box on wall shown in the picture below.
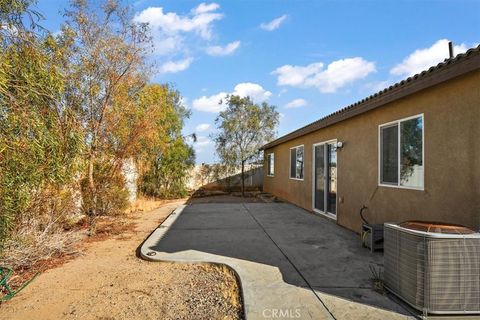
(372, 236)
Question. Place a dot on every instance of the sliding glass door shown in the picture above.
(332, 178)
(325, 178)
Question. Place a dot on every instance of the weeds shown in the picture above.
(377, 278)
(31, 244)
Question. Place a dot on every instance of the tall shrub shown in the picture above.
(39, 141)
(105, 69)
(167, 175)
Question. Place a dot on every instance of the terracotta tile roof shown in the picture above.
(446, 70)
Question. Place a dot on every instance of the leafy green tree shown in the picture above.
(165, 167)
(167, 175)
(163, 115)
(76, 105)
(243, 127)
(105, 70)
(39, 142)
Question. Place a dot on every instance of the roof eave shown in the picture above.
(451, 68)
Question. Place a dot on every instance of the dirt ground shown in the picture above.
(108, 281)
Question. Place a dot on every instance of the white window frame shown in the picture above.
(398, 122)
(268, 164)
(290, 162)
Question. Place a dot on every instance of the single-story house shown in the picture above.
(410, 151)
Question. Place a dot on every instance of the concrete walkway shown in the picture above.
(291, 263)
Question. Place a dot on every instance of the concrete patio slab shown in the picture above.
(289, 262)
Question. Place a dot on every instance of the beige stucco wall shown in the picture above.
(452, 160)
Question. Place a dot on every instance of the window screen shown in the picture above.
(293, 161)
(389, 154)
(411, 153)
(296, 163)
(401, 153)
(270, 164)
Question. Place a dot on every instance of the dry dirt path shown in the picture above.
(108, 281)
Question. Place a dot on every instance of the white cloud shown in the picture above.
(167, 45)
(172, 23)
(338, 74)
(203, 127)
(176, 36)
(212, 103)
(376, 86)
(223, 51)
(274, 24)
(422, 59)
(252, 90)
(202, 144)
(184, 102)
(295, 76)
(203, 8)
(203, 141)
(282, 92)
(175, 66)
(296, 103)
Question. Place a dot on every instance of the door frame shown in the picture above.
(323, 213)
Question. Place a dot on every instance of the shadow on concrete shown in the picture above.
(224, 197)
(310, 251)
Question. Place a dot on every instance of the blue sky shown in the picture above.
(309, 58)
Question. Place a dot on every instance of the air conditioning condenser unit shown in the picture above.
(433, 267)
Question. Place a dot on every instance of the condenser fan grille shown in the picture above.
(435, 273)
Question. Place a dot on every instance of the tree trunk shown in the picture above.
(92, 208)
(243, 178)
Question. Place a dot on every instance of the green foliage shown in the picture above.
(105, 70)
(14, 15)
(411, 146)
(243, 127)
(143, 125)
(111, 197)
(168, 164)
(73, 107)
(167, 175)
(13, 8)
(38, 143)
